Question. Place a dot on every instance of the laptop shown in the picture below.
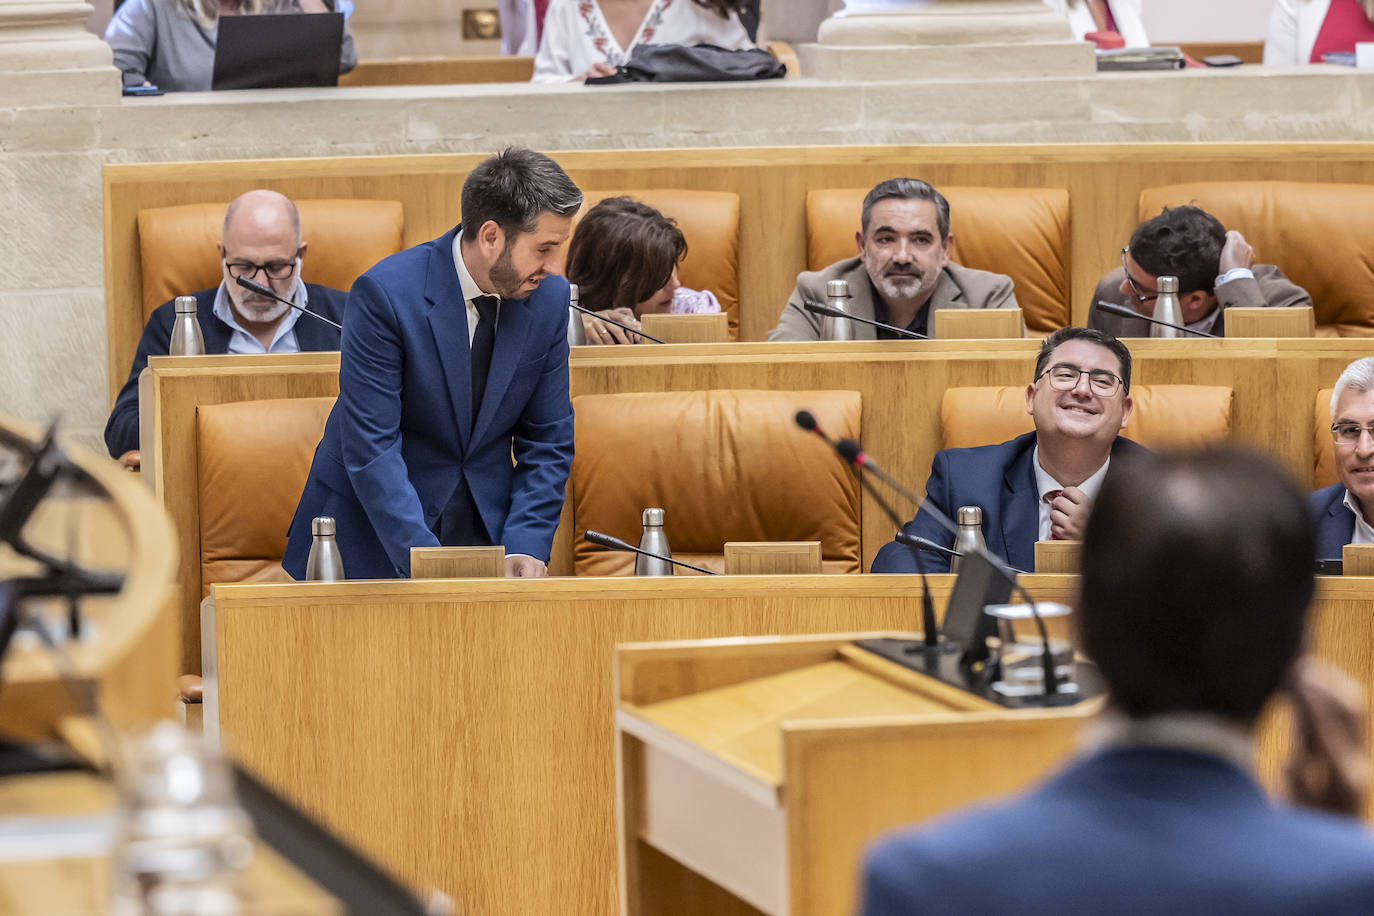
(281, 51)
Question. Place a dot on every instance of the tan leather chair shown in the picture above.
(1163, 416)
(177, 245)
(1317, 234)
(724, 465)
(1323, 457)
(1020, 232)
(709, 220)
(254, 457)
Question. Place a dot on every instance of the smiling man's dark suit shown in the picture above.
(402, 452)
(1335, 522)
(998, 478)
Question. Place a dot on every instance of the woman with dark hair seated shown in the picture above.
(623, 258)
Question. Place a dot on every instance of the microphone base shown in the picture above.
(945, 662)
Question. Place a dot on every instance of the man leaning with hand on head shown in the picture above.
(1041, 485)
(1216, 270)
(902, 272)
(261, 241)
(454, 362)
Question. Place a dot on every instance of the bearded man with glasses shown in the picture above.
(261, 240)
(1040, 485)
(1340, 509)
(1216, 270)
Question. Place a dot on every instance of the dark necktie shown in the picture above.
(482, 342)
(1049, 497)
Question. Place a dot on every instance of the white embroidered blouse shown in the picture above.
(576, 35)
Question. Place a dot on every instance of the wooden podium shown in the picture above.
(753, 773)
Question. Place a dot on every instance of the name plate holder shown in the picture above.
(978, 324)
(1275, 322)
(710, 327)
(772, 558)
(1058, 557)
(457, 562)
(1357, 560)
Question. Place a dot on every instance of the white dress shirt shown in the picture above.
(283, 340)
(1044, 483)
(1362, 533)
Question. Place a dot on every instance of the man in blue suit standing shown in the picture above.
(1040, 485)
(1197, 574)
(454, 360)
(1339, 508)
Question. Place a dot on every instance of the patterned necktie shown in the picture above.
(1049, 497)
(482, 343)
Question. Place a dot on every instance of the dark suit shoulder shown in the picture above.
(1318, 501)
(1003, 453)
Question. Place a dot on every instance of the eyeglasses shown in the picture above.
(1065, 376)
(275, 270)
(1348, 433)
(1139, 293)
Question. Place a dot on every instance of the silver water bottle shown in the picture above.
(324, 563)
(837, 297)
(653, 540)
(577, 335)
(1167, 309)
(970, 536)
(186, 339)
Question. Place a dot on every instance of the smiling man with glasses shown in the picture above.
(1040, 485)
(261, 240)
(1216, 270)
(1340, 509)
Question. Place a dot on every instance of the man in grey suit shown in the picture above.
(902, 272)
(1216, 270)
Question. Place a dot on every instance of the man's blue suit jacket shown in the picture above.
(1335, 523)
(1129, 831)
(998, 478)
(121, 430)
(402, 432)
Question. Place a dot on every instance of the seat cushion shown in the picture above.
(724, 466)
(254, 457)
(1316, 233)
(1020, 232)
(709, 220)
(178, 245)
(1163, 416)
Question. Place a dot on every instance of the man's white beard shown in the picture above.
(264, 314)
(899, 288)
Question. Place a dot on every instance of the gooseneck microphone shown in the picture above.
(930, 636)
(614, 543)
(626, 327)
(256, 287)
(921, 543)
(1111, 308)
(818, 309)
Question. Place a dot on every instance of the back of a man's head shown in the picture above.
(513, 188)
(1197, 573)
(1183, 242)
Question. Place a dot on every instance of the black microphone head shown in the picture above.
(605, 540)
(1111, 308)
(818, 309)
(849, 450)
(806, 420)
(255, 286)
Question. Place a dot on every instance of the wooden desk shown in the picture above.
(766, 766)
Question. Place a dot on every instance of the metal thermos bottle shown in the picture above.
(837, 297)
(653, 540)
(970, 536)
(324, 563)
(1167, 309)
(186, 339)
(577, 335)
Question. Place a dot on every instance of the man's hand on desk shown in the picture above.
(131, 460)
(1329, 769)
(519, 566)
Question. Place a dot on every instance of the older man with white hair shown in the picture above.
(1342, 510)
(261, 241)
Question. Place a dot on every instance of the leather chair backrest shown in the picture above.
(177, 245)
(1323, 457)
(709, 220)
(1020, 232)
(254, 457)
(1318, 235)
(724, 466)
(1162, 416)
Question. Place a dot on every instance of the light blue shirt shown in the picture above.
(283, 339)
